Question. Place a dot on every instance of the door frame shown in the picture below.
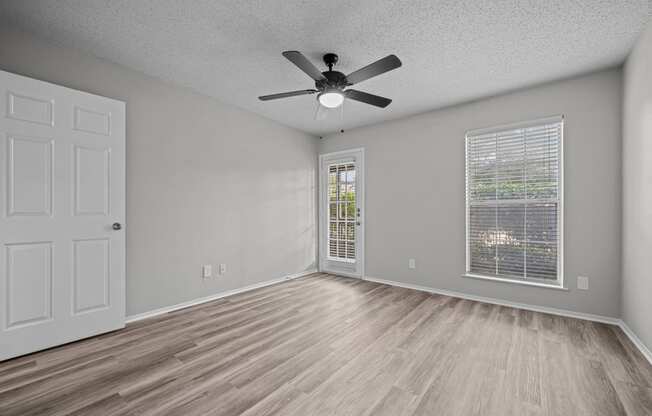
(358, 154)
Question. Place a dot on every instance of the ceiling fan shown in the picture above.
(330, 85)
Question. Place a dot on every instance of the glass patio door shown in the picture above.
(341, 213)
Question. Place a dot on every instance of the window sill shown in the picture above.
(518, 282)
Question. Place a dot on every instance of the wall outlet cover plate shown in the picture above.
(207, 270)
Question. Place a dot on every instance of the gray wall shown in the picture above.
(637, 190)
(415, 192)
(206, 183)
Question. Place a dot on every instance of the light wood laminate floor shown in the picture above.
(326, 345)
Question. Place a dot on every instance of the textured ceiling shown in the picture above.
(452, 51)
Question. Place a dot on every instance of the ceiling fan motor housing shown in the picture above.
(334, 79)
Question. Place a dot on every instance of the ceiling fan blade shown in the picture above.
(379, 67)
(285, 95)
(367, 98)
(304, 64)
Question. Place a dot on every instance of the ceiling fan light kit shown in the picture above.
(331, 98)
(331, 86)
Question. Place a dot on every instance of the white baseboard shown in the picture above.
(535, 308)
(636, 341)
(561, 312)
(166, 309)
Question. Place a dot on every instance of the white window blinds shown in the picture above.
(341, 212)
(513, 201)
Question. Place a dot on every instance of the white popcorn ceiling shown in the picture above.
(452, 51)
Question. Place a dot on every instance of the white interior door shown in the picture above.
(341, 212)
(62, 188)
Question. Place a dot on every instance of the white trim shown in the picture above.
(494, 301)
(356, 154)
(342, 153)
(516, 281)
(330, 258)
(636, 340)
(182, 305)
(467, 257)
(561, 312)
(562, 199)
(645, 351)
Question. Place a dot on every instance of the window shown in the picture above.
(514, 202)
(341, 212)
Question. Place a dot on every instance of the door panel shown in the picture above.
(92, 121)
(30, 108)
(91, 260)
(62, 186)
(29, 283)
(342, 213)
(92, 173)
(29, 173)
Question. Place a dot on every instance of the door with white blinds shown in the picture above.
(514, 202)
(341, 213)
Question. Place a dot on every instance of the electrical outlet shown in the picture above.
(206, 271)
(582, 282)
(222, 268)
(412, 264)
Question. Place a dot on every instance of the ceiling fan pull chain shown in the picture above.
(317, 105)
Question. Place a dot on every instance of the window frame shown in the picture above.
(559, 283)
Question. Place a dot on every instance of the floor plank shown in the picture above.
(329, 345)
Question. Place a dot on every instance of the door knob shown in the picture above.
(116, 226)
